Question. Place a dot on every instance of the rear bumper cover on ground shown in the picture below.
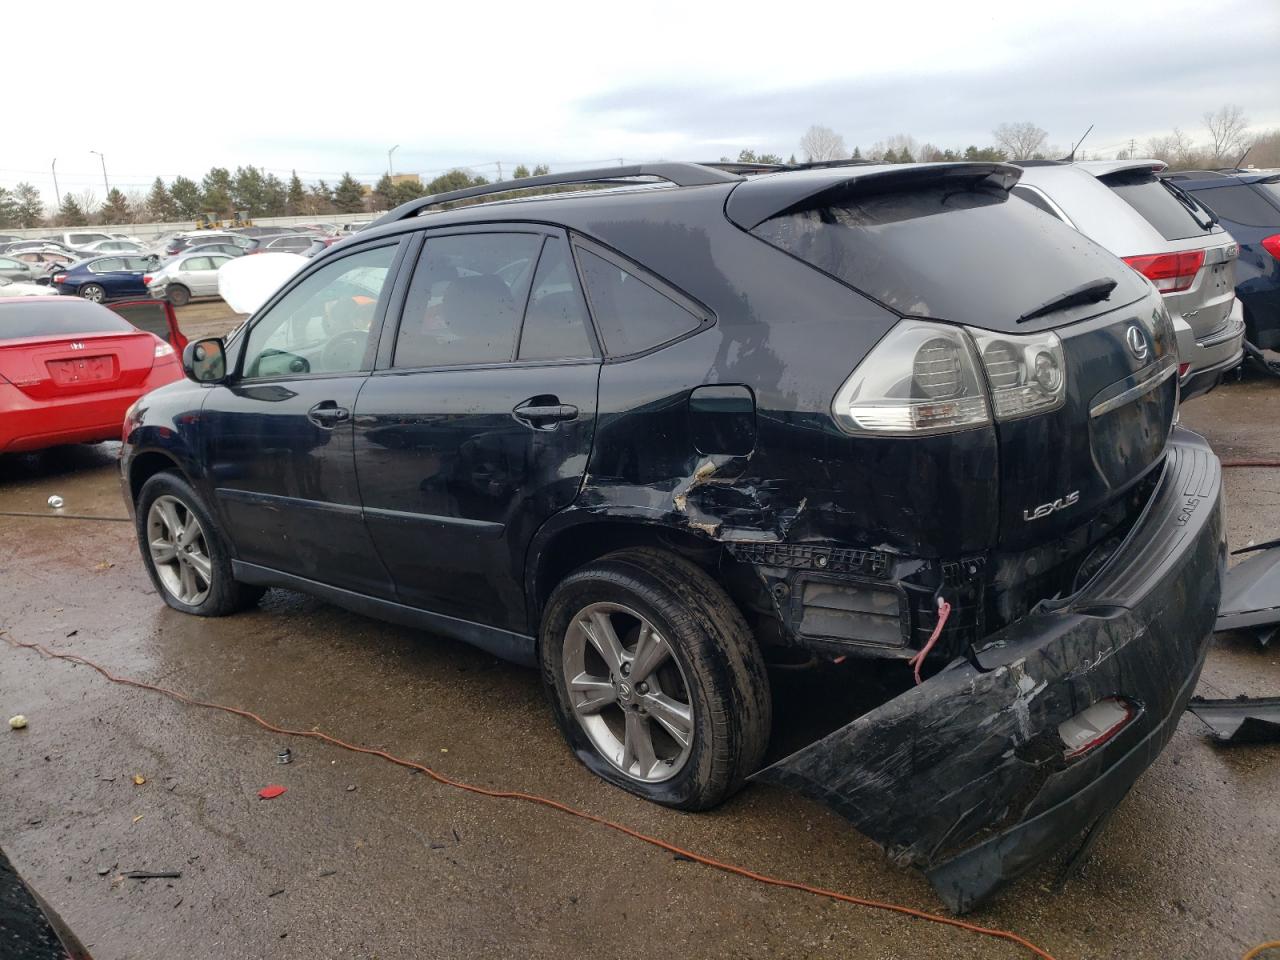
(965, 775)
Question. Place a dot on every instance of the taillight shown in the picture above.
(163, 349)
(146, 280)
(1271, 244)
(923, 378)
(59, 278)
(1094, 726)
(1183, 367)
(1170, 272)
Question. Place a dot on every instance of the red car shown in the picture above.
(69, 368)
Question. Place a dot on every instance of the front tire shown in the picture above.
(183, 552)
(178, 295)
(655, 678)
(93, 292)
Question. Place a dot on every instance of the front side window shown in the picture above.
(466, 298)
(631, 315)
(322, 325)
(7, 264)
(80, 239)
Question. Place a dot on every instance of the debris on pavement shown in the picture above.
(103, 871)
(276, 893)
(17, 723)
(1242, 720)
(271, 792)
(284, 756)
(56, 502)
(328, 873)
(139, 779)
(1251, 594)
(138, 817)
(154, 875)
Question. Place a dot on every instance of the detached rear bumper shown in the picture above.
(965, 776)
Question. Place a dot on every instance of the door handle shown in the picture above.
(544, 416)
(328, 414)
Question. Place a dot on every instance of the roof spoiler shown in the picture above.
(757, 200)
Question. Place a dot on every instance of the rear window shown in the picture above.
(1172, 212)
(66, 317)
(968, 254)
(1240, 204)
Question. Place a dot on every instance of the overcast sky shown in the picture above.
(325, 88)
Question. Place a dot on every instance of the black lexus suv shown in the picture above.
(644, 432)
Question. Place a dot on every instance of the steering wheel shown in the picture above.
(345, 351)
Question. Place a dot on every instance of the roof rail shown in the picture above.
(680, 174)
(747, 167)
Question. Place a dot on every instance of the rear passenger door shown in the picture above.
(477, 422)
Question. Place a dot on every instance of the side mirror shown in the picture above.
(205, 361)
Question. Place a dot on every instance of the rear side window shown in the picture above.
(196, 263)
(107, 266)
(1034, 198)
(1170, 211)
(66, 316)
(466, 298)
(1240, 204)
(631, 315)
(555, 323)
(961, 251)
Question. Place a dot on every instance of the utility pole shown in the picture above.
(56, 192)
(499, 162)
(1132, 147)
(106, 186)
(390, 172)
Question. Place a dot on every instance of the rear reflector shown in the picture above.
(1094, 726)
(1170, 272)
(1271, 244)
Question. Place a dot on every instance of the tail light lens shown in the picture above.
(921, 379)
(59, 278)
(1094, 726)
(163, 349)
(1026, 375)
(146, 280)
(1170, 272)
(1271, 244)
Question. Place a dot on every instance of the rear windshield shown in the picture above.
(974, 255)
(1239, 204)
(1171, 211)
(66, 316)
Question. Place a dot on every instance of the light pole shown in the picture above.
(390, 172)
(106, 186)
(56, 192)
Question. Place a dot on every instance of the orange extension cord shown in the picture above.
(546, 802)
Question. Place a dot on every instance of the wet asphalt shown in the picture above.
(363, 859)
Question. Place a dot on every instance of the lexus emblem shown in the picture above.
(1137, 342)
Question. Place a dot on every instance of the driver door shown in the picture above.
(278, 434)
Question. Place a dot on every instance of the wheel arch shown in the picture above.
(146, 464)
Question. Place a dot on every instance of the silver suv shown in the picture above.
(1160, 231)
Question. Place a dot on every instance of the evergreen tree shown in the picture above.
(857, 154)
(160, 205)
(30, 206)
(769, 158)
(521, 172)
(747, 156)
(792, 159)
(889, 156)
(115, 209)
(275, 196)
(187, 201)
(71, 214)
(248, 191)
(296, 197)
(905, 156)
(348, 195)
(384, 194)
(541, 170)
(321, 198)
(216, 191)
(8, 209)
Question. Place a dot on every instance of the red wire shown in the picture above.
(553, 804)
(944, 611)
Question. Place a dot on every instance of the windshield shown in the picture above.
(1167, 208)
(66, 316)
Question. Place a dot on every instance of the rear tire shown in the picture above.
(178, 295)
(183, 552)
(94, 292)
(710, 683)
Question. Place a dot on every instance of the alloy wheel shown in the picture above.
(628, 691)
(179, 550)
(93, 292)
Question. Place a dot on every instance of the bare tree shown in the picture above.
(137, 206)
(1176, 149)
(822, 143)
(1226, 131)
(899, 144)
(1020, 140)
(88, 201)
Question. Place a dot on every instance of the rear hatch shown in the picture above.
(947, 243)
(57, 350)
(1195, 269)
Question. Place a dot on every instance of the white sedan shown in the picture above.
(17, 288)
(186, 276)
